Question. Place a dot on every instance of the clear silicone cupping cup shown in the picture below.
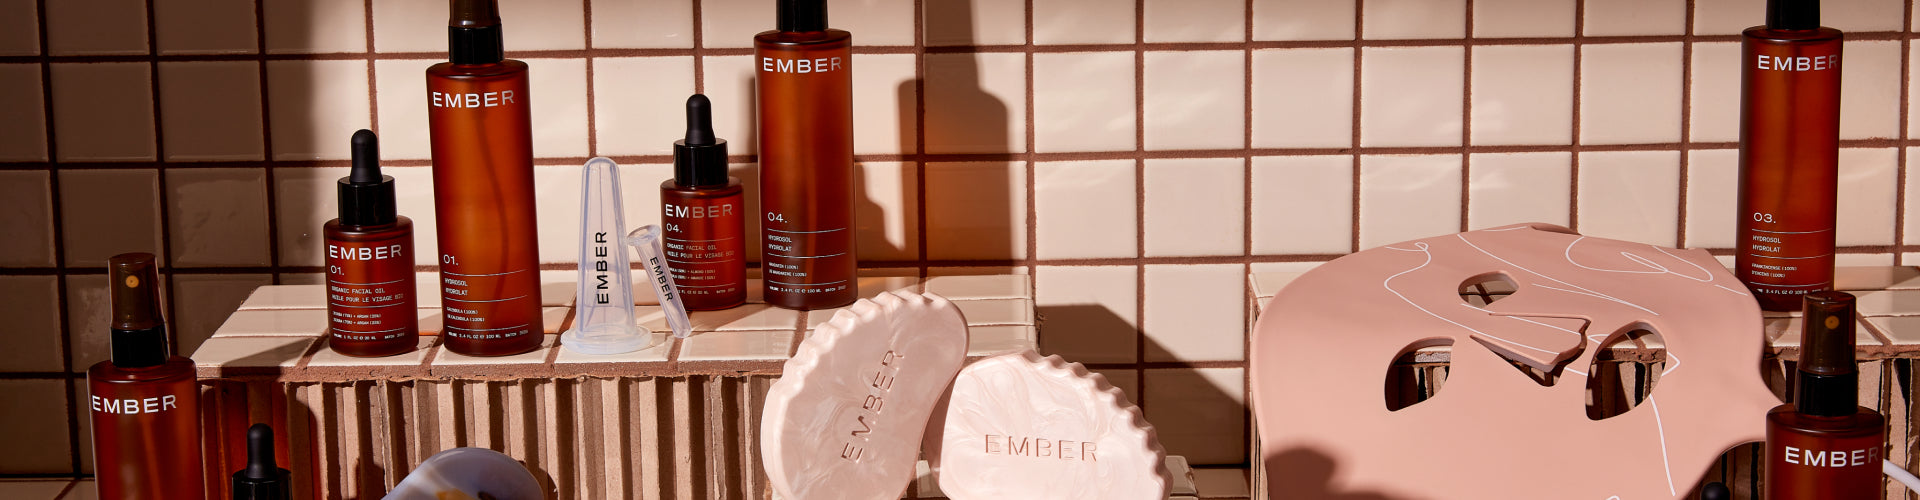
(647, 241)
(603, 318)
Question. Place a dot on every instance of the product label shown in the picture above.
(470, 302)
(1797, 63)
(1866, 457)
(783, 65)
(471, 100)
(132, 406)
(705, 249)
(370, 291)
(601, 268)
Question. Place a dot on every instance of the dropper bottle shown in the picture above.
(262, 479)
(370, 297)
(704, 218)
(1824, 445)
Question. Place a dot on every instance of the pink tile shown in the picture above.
(108, 212)
(1199, 413)
(640, 193)
(871, 285)
(1408, 197)
(1866, 212)
(1089, 314)
(1631, 195)
(309, 296)
(729, 84)
(1187, 214)
(1303, 19)
(1083, 22)
(737, 345)
(745, 317)
(1911, 230)
(417, 26)
(1083, 102)
(1635, 17)
(26, 217)
(886, 205)
(992, 340)
(83, 489)
(1190, 97)
(981, 210)
(1727, 17)
(204, 301)
(326, 357)
(638, 24)
(315, 106)
(873, 22)
(36, 435)
(96, 27)
(23, 138)
(543, 25)
(1195, 21)
(1303, 98)
(1128, 381)
(32, 307)
(559, 120)
(974, 103)
(1403, 19)
(211, 111)
(1284, 187)
(1195, 312)
(743, 19)
(556, 193)
(205, 27)
(1084, 209)
(1522, 18)
(1630, 93)
(400, 88)
(444, 358)
(1711, 175)
(218, 217)
(316, 26)
(19, 28)
(1715, 96)
(980, 287)
(1512, 188)
(103, 112)
(645, 115)
(883, 124)
(996, 312)
(1870, 90)
(1411, 96)
(1522, 94)
(975, 22)
(1865, 15)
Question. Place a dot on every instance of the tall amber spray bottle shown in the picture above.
(1825, 445)
(482, 135)
(1789, 154)
(370, 303)
(144, 402)
(704, 217)
(805, 90)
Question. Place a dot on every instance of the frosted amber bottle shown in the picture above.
(805, 90)
(1789, 155)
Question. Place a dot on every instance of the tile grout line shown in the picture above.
(1466, 120)
(1032, 171)
(919, 138)
(1359, 24)
(373, 82)
(266, 143)
(1906, 126)
(1249, 301)
(593, 129)
(699, 50)
(163, 190)
(1573, 135)
(1686, 125)
(1139, 193)
(75, 461)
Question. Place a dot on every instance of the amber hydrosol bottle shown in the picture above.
(482, 135)
(1789, 155)
(702, 210)
(805, 90)
(1824, 445)
(143, 401)
(370, 303)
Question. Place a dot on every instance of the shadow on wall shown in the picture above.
(969, 197)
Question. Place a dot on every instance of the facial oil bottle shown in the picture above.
(1789, 154)
(144, 402)
(805, 90)
(370, 303)
(704, 217)
(1824, 445)
(482, 139)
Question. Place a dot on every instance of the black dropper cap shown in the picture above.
(473, 32)
(139, 335)
(801, 16)
(1715, 491)
(1829, 382)
(1793, 14)
(366, 196)
(261, 480)
(700, 159)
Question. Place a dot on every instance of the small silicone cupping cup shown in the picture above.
(603, 319)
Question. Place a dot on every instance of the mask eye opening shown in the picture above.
(1417, 373)
(1625, 370)
(1484, 289)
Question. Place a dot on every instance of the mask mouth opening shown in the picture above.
(1484, 289)
(1417, 373)
(1625, 370)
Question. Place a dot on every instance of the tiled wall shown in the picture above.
(1136, 157)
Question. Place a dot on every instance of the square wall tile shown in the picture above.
(1511, 188)
(419, 26)
(1715, 97)
(1303, 98)
(886, 211)
(205, 27)
(1195, 207)
(1194, 99)
(20, 28)
(218, 217)
(873, 22)
(103, 111)
(1404, 19)
(1083, 102)
(642, 24)
(742, 20)
(1522, 18)
(400, 90)
(729, 84)
(1088, 314)
(96, 27)
(1411, 96)
(636, 119)
(980, 208)
(1730, 17)
(204, 301)
(975, 22)
(109, 212)
(36, 434)
(1713, 177)
(211, 111)
(541, 25)
(1199, 413)
(306, 200)
(315, 106)
(1865, 15)
(1635, 17)
(318, 26)
(882, 125)
(1195, 313)
(1405, 197)
(89, 312)
(1911, 230)
(1128, 381)
(1870, 90)
(976, 103)
(31, 305)
(26, 217)
(1522, 94)
(640, 193)
(1868, 177)
(1194, 21)
(1287, 187)
(1630, 93)
(556, 203)
(24, 136)
(1303, 19)
(1630, 195)
(1085, 210)
(1083, 22)
(560, 120)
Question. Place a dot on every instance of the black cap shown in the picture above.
(1715, 491)
(1793, 14)
(366, 196)
(800, 16)
(1829, 381)
(261, 480)
(473, 32)
(139, 333)
(700, 159)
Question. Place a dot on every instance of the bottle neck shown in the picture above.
(1827, 395)
(482, 45)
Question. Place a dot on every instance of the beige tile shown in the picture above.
(662, 342)
(1635, 17)
(999, 286)
(230, 353)
(1270, 283)
(103, 112)
(24, 137)
(288, 322)
(1403, 19)
(641, 24)
(743, 19)
(745, 317)
(312, 296)
(1911, 229)
(1630, 93)
(1199, 413)
(20, 28)
(1083, 102)
(316, 26)
(1870, 278)
(1522, 18)
(1285, 187)
(1303, 98)
(729, 84)
(996, 312)
(873, 22)
(642, 115)
(1711, 197)
(204, 301)
(981, 210)
(886, 218)
(315, 106)
(882, 125)
(212, 111)
(1889, 303)
(96, 27)
(1191, 97)
(559, 121)
(1901, 331)
(977, 271)
(992, 340)
(1303, 19)
(326, 357)
(218, 217)
(1728, 17)
(1128, 381)
(1083, 22)
(400, 90)
(640, 196)
(556, 193)
(306, 200)
(1522, 94)
(737, 345)
(1863, 259)
(31, 305)
(204, 27)
(1408, 197)
(975, 22)
(1222, 483)
(1715, 98)
(83, 489)
(1631, 195)
(1411, 96)
(418, 26)
(871, 286)
(36, 436)
(1870, 90)
(109, 212)
(543, 25)
(1194, 21)
(445, 358)
(1866, 211)
(1195, 312)
(1913, 88)
(1089, 314)
(1194, 207)
(974, 103)
(34, 489)
(1511, 188)
(26, 217)
(1785, 332)
(1084, 209)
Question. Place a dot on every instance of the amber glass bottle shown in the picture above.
(370, 303)
(806, 158)
(482, 136)
(144, 402)
(704, 217)
(1825, 446)
(1789, 154)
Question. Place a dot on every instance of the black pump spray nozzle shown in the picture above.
(262, 479)
(700, 159)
